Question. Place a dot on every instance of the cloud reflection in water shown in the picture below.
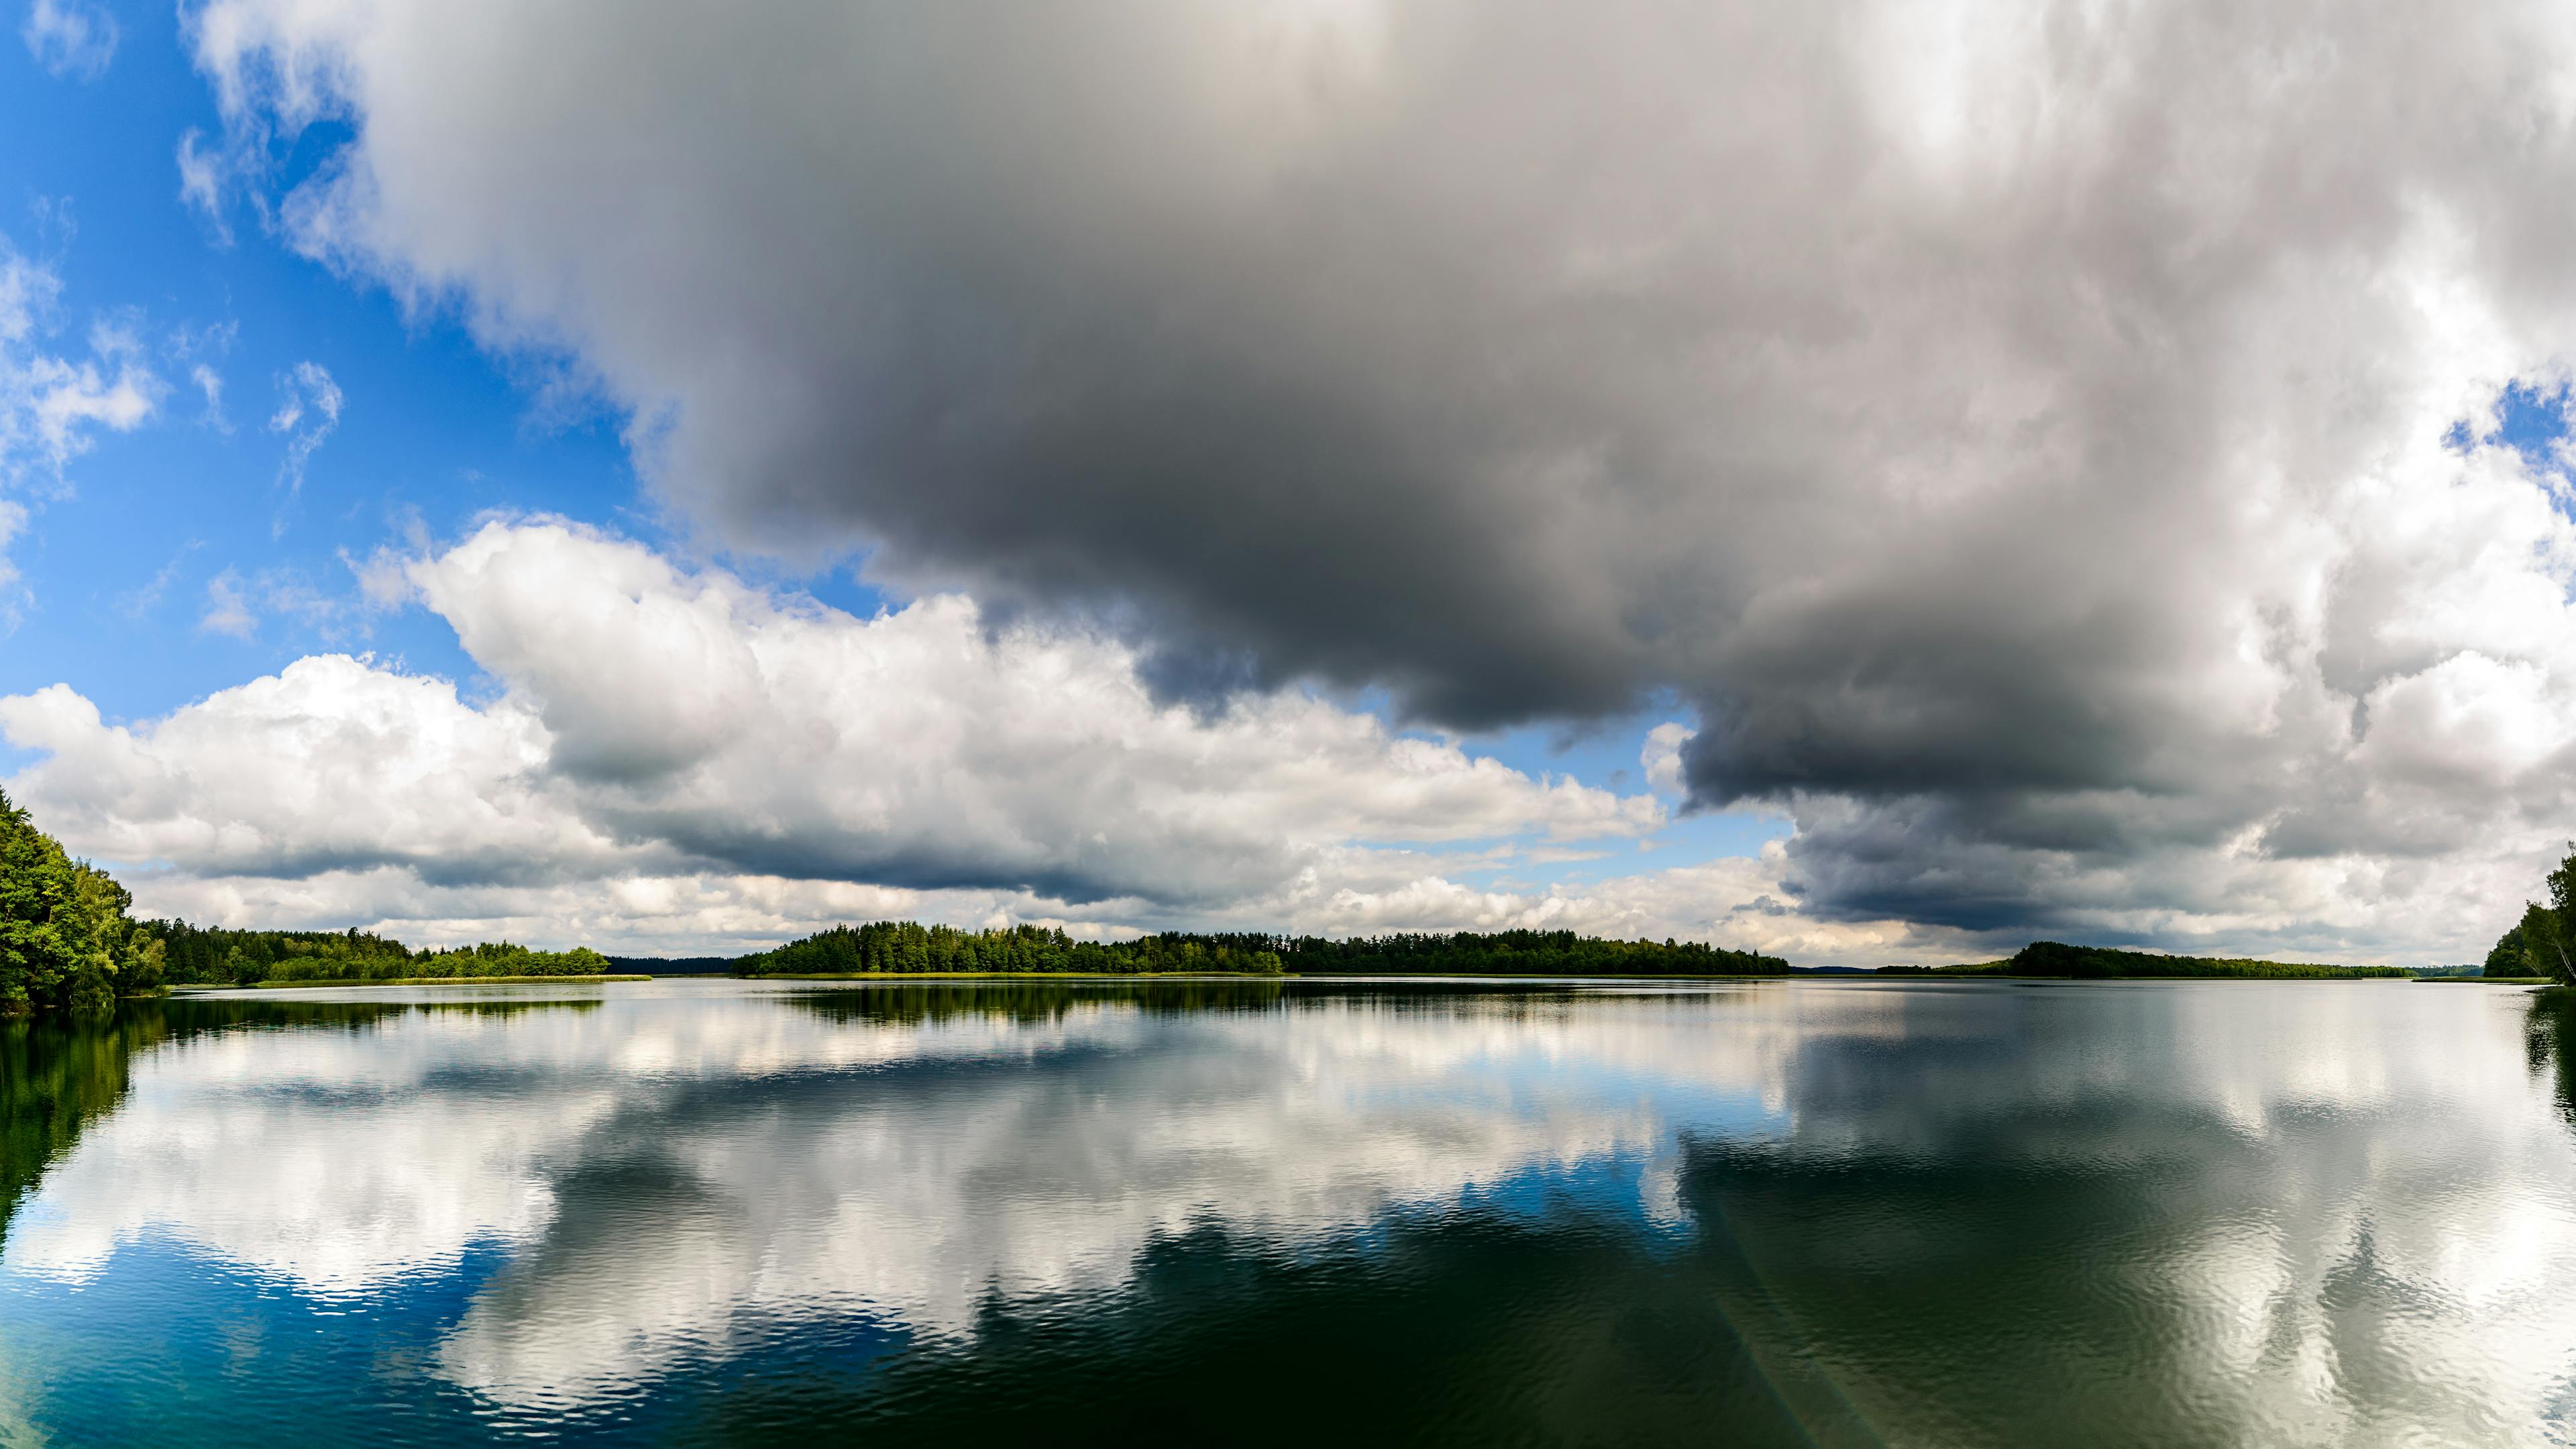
(2318, 1214)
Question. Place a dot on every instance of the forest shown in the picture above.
(2540, 945)
(1506, 953)
(905, 947)
(209, 956)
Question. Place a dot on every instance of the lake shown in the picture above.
(1827, 1212)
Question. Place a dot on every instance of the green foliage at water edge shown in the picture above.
(909, 948)
(2543, 942)
(211, 956)
(66, 940)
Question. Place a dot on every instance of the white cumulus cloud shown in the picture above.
(2023, 437)
(704, 745)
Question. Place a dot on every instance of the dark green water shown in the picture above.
(1844, 1213)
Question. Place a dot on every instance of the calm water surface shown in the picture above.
(1849, 1213)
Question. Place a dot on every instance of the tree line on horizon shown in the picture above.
(213, 956)
(910, 948)
(2058, 960)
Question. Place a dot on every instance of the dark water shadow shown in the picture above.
(2549, 1044)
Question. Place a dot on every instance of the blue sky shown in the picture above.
(186, 556)
(2030, 562)
(432, 433)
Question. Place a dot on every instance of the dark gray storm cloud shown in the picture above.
(2016, 431)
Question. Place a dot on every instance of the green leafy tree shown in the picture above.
(2506, 959)
(901, 947)
(2544, 942)
(2561, 937)
(2545, 937)
(66, 940)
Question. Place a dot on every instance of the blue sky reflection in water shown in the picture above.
(1840, 1214)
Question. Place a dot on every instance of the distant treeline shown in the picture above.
(1508, 953)
(906, 947)
(210, 956)
(2103, 963)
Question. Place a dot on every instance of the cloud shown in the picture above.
(147, 596)
(2017, 438)
(202, 171)
(210, 383)
(1661, 757)
(706, 744)
(13, 520)
(307, 413)
(228, 608)
(52, 407)
(236, 603)
(69, 38)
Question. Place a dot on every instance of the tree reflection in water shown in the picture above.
(59, 1076)
(2549, 1035)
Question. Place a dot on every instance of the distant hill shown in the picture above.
(2056, 959)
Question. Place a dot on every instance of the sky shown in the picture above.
(1873, 483)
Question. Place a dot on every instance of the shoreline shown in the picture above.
(1818, 977)
(1215, 976)
(409, 981)
(995, 976)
